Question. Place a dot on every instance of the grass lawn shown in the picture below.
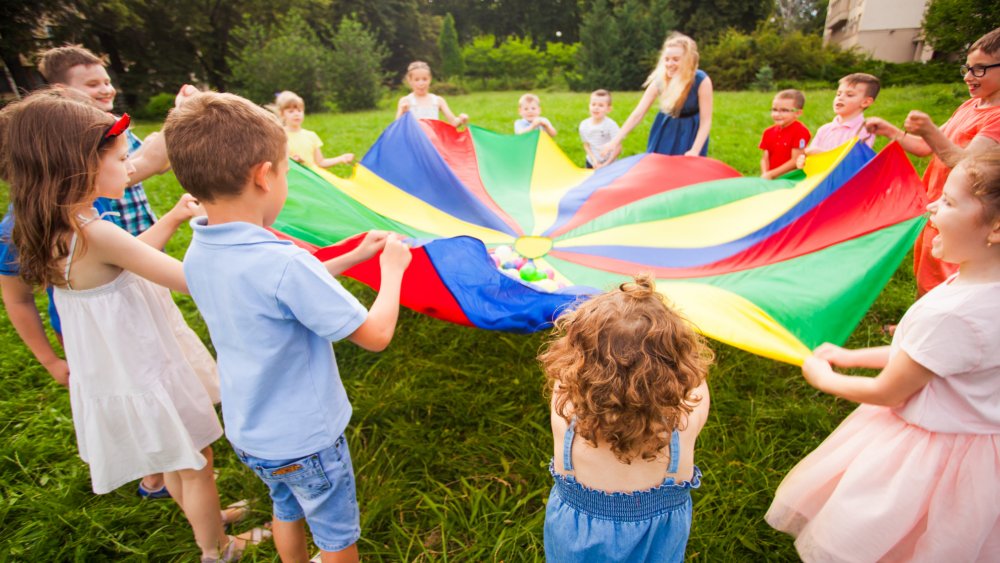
(450, 435)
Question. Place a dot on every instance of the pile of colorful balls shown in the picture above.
(522, 269)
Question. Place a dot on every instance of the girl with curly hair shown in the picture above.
(628, 376)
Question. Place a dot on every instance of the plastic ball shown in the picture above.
(549, 273)
(509, 265)
(496, 260)
(503, 251)
(528, 272)
(519, 263)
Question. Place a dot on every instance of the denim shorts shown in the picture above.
(318, 487)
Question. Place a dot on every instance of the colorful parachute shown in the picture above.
(774, 267)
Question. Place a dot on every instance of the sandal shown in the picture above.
(318, 558)
(235, 512)
(145, 493)
(237, 545)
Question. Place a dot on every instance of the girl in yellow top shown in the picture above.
(303, 144)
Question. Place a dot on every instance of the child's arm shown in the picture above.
(705, 100)
(460, 120)
(161, 231)
(546, 125)
(785, 168)
(590, 154)
(150, 159)
(402, 107)
(376, 332)
(765, 164)
(901, 378)
(369, 246)
(919, 123)
(328, 162)
(646, 102)
(19, 301)
(910, 143)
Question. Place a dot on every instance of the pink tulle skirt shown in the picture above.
(881, 489)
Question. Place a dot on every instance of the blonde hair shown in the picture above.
(288, 99)
(54, 64)
(417, 65)
(213, 141)
(674, 90)
(527, 99)
(51, 149)
(983, 168)
(602, 93)
(625, 365)
(871, 82)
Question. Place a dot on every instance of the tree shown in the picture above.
(952, 25)
(704, 20)
(807, 16)
(451, 52)
(607, 61)
(356, 66)
(284, 56)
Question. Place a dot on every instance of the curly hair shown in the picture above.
(50, 148)
(625, 365)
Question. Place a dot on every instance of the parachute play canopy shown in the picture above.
(775, 267)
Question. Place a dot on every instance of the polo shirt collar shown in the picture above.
(854, 122)
(235, 232)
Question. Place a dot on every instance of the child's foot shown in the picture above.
(162, 492)
(237, 545)
(235, 512)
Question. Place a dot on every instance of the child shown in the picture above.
(855, 93)
(911, 475)
(420, 102)
(303, 144)
(974, 126)
(530, 109)
(597, 130)
(684, 121)
(629, 377)
(786, 140)
(137, 392)
(272, 311)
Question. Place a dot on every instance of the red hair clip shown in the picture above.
(117, 128)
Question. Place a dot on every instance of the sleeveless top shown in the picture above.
(430, 111)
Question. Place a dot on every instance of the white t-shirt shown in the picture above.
(597, 135)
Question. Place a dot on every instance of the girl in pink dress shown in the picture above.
(912, 474)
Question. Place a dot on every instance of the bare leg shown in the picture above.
(199, 500)
(153, 482)
(290, 539)
(347, 555)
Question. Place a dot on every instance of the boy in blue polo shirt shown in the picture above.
(272, 310)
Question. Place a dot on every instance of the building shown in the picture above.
(888, 30)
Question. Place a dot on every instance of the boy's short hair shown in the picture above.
(527, 99)
(213, 140)
(872, 84)
(54, 64)
(797, 97)
(289, 99)
(988, 44)
(602, 93)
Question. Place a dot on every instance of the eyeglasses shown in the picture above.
(977, 71)
(783, 110)
(117, 128)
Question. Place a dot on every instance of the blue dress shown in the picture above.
(584, 524)
(675, 135)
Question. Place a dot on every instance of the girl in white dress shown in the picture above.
(138, 387)
(420, 102)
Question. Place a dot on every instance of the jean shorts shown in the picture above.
(319, 487)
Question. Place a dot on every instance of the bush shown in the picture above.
(451, 52)
(517, 64)
(356, 67)
(287, 56)
(159, 106)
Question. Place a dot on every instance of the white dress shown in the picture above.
(430, 111)
(142, 385)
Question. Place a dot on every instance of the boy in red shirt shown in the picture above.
(784, 141)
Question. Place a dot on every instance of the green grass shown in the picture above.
(450, 434)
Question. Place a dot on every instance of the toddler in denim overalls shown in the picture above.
(628, 376)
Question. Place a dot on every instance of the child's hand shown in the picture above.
(815, 370)
(395, 256)
(347, 157)
(297, 158)
(371, 244)
(919, 123)
(187, 207)
(800, 162)
(834, 354)
(463, 119)
(879, 126)
(186, 92)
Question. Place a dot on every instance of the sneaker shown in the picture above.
(162, 492)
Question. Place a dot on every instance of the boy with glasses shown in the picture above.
(786, 140)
